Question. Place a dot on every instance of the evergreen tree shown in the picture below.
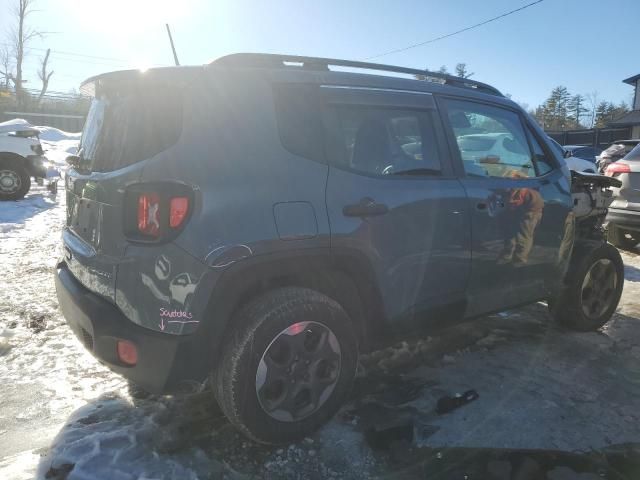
(576, 109)
(461, 71)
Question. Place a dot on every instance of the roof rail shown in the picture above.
(269, 60)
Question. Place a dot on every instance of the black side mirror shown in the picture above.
(73, 160)
(567, 153)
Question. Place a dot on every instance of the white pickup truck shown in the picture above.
(22, 157)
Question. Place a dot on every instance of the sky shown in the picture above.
(585, 45)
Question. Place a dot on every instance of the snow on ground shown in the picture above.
(63, 415)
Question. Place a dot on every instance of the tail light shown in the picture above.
(156, 212)
(616, 168)
(178, 209)
(149, 214)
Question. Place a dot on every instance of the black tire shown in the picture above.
(15, 170)
(257, 327)
(586, 304)
(622, 238)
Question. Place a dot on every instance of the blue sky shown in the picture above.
(586, 45)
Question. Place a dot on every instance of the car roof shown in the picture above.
(317, 70)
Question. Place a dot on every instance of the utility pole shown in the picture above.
(173, 48)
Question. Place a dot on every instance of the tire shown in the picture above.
(622, 238)
(269, 335)
(588, 302)
(15, 182)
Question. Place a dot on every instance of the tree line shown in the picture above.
(564, 111)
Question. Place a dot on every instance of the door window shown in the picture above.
(491, 140)
(384, 141)
(543, 163)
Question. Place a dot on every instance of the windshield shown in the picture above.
(130, 125)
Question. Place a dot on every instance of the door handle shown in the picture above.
(367, 207)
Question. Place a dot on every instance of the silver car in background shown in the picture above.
(624, 213)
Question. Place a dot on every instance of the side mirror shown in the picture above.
(73, 160)
(568, 153)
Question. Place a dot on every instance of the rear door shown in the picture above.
(520, 202)
(391, 195)
(123, 128)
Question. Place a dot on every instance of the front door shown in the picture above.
(391, 195)
(520, 202)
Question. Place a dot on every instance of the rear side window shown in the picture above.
(384, 141)
(131, 125)
(299, 117)
(493, 142)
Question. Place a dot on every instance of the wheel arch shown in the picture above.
(12, 156)
(344, 277)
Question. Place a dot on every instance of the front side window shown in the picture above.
(491, 140)
(384, 141)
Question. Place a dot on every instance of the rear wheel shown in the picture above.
(15, 182)
(288, 365)
(622, 238)
(592, 292)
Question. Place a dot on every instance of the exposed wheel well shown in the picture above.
(344, 279)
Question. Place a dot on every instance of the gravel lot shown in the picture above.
(551, 403)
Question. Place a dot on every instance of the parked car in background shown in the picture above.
(576, 164)
(262, 220)
(623, 219)
(22, 157)
(582, 151)
(614, 152)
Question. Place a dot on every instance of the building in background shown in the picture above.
(631, 119)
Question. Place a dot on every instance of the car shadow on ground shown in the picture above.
(15, 213)
(389, 427)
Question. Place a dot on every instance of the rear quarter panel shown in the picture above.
(230, 154)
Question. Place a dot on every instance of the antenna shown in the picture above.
(173, 47)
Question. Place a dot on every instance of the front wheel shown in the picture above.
(15, 182)
(592, 290)
(287, 366)
(622, 238)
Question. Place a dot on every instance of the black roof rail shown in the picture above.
(269, 60)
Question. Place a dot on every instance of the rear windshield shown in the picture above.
(130, 125)
(633, 154)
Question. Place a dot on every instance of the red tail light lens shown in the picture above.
(616, 168)
(178, 209)
(149, 214)
(127, 352)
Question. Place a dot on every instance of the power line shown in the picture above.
(402, 49)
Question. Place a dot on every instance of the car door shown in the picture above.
(391, 194)
(520, 202)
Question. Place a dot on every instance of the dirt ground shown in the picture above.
(551, 403)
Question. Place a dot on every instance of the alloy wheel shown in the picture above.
(10, 181)
(298, 371)
(598, 288)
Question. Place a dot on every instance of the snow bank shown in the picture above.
(52, 134)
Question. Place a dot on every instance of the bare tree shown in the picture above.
(19, 37)
(44, 76)
(592, 104)
(6, 66)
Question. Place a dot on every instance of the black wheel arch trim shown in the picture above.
(343, 275)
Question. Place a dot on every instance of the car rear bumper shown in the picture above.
(629, 219)
(166, 363)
